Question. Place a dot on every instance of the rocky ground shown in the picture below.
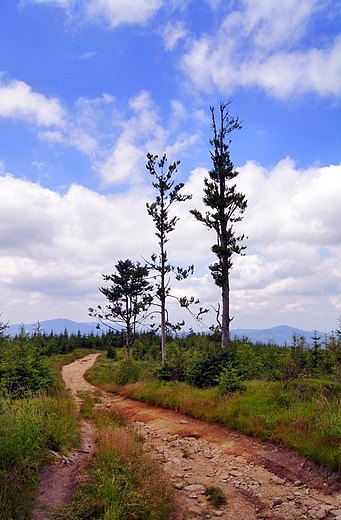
(259, 480)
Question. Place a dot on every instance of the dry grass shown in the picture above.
(123, 481)
(305, 415)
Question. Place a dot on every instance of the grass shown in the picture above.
(109, 375)
(305, 415)
(28, 429)
(122, 482)
(101, 374)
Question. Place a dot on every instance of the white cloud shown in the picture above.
(306, 205)
(116, 142)
(87, 55)
(18, 101)
(172, 33)
(265, 44)
(141, 132)
(127, 157)
(122, 11)
(77, 129)
(53, 136)
(291, 267)
(272, 23)
(57, 246)
(54, 248)
(112, 12)
(284, 73)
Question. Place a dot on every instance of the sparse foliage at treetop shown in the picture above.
(167, 194)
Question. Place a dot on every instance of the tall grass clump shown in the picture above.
(28, 429)
(123, 482)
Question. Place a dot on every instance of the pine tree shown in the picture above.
(226, 206)
(167, 195)
(129, 298)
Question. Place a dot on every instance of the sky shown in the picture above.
(89, 87)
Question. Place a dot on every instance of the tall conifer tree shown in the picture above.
(167, 194)
(226, 206)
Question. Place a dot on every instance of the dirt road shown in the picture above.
(259, 480)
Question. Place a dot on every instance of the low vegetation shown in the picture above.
(304, 415)
(215, 496)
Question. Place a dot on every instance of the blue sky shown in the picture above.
(88, 87)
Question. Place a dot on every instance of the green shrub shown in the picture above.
(126, 371)
(24, 371)
(216, 496)
(203, 364)
(112, 353)
(147, 347)
(174, 366)
(229, 380)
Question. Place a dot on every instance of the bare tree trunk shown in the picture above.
(225, 297)
(163, 330)
(163, 295)
(127, 347)
(128, 341)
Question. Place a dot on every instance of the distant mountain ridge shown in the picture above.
(280, 335)
(57, 326)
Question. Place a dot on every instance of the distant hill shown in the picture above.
(280, 335)
(56, 326)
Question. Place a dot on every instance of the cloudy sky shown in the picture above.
(88, 87)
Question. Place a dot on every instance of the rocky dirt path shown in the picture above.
(259, 480)
(58, 481)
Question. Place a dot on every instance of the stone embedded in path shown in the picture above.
(318, 513)
(195, 488)
(278, 481)
(277, 501)
(234, 473)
